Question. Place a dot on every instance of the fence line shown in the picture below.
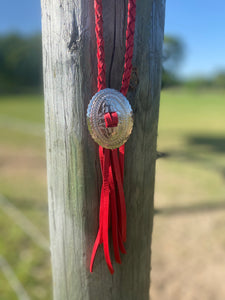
(13, 280)
(24, 223)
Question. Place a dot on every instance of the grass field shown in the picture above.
(188, 238)
(188, 250)
(23, 182)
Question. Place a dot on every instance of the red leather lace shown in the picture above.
(112, 202)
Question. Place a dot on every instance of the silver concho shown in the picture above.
(109, 100)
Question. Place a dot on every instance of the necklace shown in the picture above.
(110, 122)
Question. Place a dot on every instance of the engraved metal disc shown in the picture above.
(109, 100)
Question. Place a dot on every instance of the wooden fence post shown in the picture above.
(69, 60)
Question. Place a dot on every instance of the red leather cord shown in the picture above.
(102, 236)
(131, 14)
(105, 216)
(111, 119)
(121, 198)
(114, 217)
(101, 79)
(112, 161)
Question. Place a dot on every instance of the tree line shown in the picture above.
(173, 54)
(21, 65)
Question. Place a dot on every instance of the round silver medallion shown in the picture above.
(109, 101)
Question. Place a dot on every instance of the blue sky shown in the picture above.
(200, 24)
(20, 15)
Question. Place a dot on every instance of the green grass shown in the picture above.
(26, 108)
(23, 182)
(189, 197)
(191, 133)
(22, 117)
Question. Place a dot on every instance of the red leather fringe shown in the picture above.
(112, 202)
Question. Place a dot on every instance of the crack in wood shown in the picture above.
(74, 38)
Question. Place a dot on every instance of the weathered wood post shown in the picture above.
(69, 58)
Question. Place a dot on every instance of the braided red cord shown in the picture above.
(112, 161)
(131, 14)
(100, 45)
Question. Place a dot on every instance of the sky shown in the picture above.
(199, 24)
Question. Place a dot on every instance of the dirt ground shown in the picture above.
(188, 249)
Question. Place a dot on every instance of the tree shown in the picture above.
(173, 52)
(69, 56)
(20, 62)
(219, 79)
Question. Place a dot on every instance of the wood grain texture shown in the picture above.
(69, 64)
